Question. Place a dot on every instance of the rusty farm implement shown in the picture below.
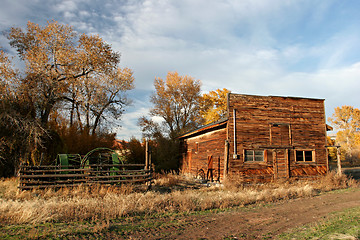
(99, 166)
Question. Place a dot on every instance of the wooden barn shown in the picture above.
(263, 138)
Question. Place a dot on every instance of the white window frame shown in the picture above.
(254, 155)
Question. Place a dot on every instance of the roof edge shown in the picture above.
(204, 128)
(251, 95)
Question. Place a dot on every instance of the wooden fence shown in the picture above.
(70, 176)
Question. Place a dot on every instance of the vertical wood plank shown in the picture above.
(147, 155)
(338, 161)
(226, 159)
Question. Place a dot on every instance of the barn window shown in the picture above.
(304, 156)
(254, 156)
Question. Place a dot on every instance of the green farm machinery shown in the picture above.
(99, 166)
(100, 158)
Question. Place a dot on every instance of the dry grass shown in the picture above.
(335, 181)
(168, 179)
(104, 203)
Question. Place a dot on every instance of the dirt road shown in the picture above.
(255, 222)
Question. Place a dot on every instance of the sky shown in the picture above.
(299, 48)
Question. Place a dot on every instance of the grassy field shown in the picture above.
(91, 212)
(342, 225)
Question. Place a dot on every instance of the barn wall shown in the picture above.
(199, 148)
(272, 123)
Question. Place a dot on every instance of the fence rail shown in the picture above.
(69, 176)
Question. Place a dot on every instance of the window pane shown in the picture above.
(259, 155)
(249, 155)
(308, 156)
(254, 155)
(299, 156)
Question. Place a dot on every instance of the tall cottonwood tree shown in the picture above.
(177, 101)
(214, 105)
(347, 120)
(8, 75)
(20, 132)
(69, 78)
(94, 100)
(58, 61)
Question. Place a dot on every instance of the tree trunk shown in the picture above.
(79, 118)
(96, 123)
(45, 115)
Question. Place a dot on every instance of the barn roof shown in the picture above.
(206, 128)
(273, 96)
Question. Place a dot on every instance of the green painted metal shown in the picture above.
(115, 159)
(62, 160)
(66, 160)
(99, 154)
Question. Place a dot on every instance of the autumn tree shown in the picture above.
(134, 151)
(177, 101)
(347, 120)
(20, 132)
(60, 63)
(94, 101)
(8, 75)
(70, 80)
(214, 105)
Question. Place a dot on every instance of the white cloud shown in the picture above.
(10, 11)
(65, 6)
(129, 122)
(281, 47)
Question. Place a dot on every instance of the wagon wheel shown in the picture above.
(101, 161)
(101, 156)
(201, 175)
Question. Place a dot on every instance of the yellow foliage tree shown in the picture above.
(60, 64)
(177, 101)
(213, 106)
(347, 120)
(20, 133)
(65, 72)
(9, 76)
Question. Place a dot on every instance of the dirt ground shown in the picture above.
(256, 222)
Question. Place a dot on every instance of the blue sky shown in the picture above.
(304, 48)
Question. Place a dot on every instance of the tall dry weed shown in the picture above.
(333, 180)
(97, 202)
(9, 188)
(234, 182)
(168, 179)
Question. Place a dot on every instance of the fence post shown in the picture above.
(226, 158)
(147, 155)
(338, 161)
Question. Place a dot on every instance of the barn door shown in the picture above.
(281, 163)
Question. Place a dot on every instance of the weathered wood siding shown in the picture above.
(279, 126)
(199, 148)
